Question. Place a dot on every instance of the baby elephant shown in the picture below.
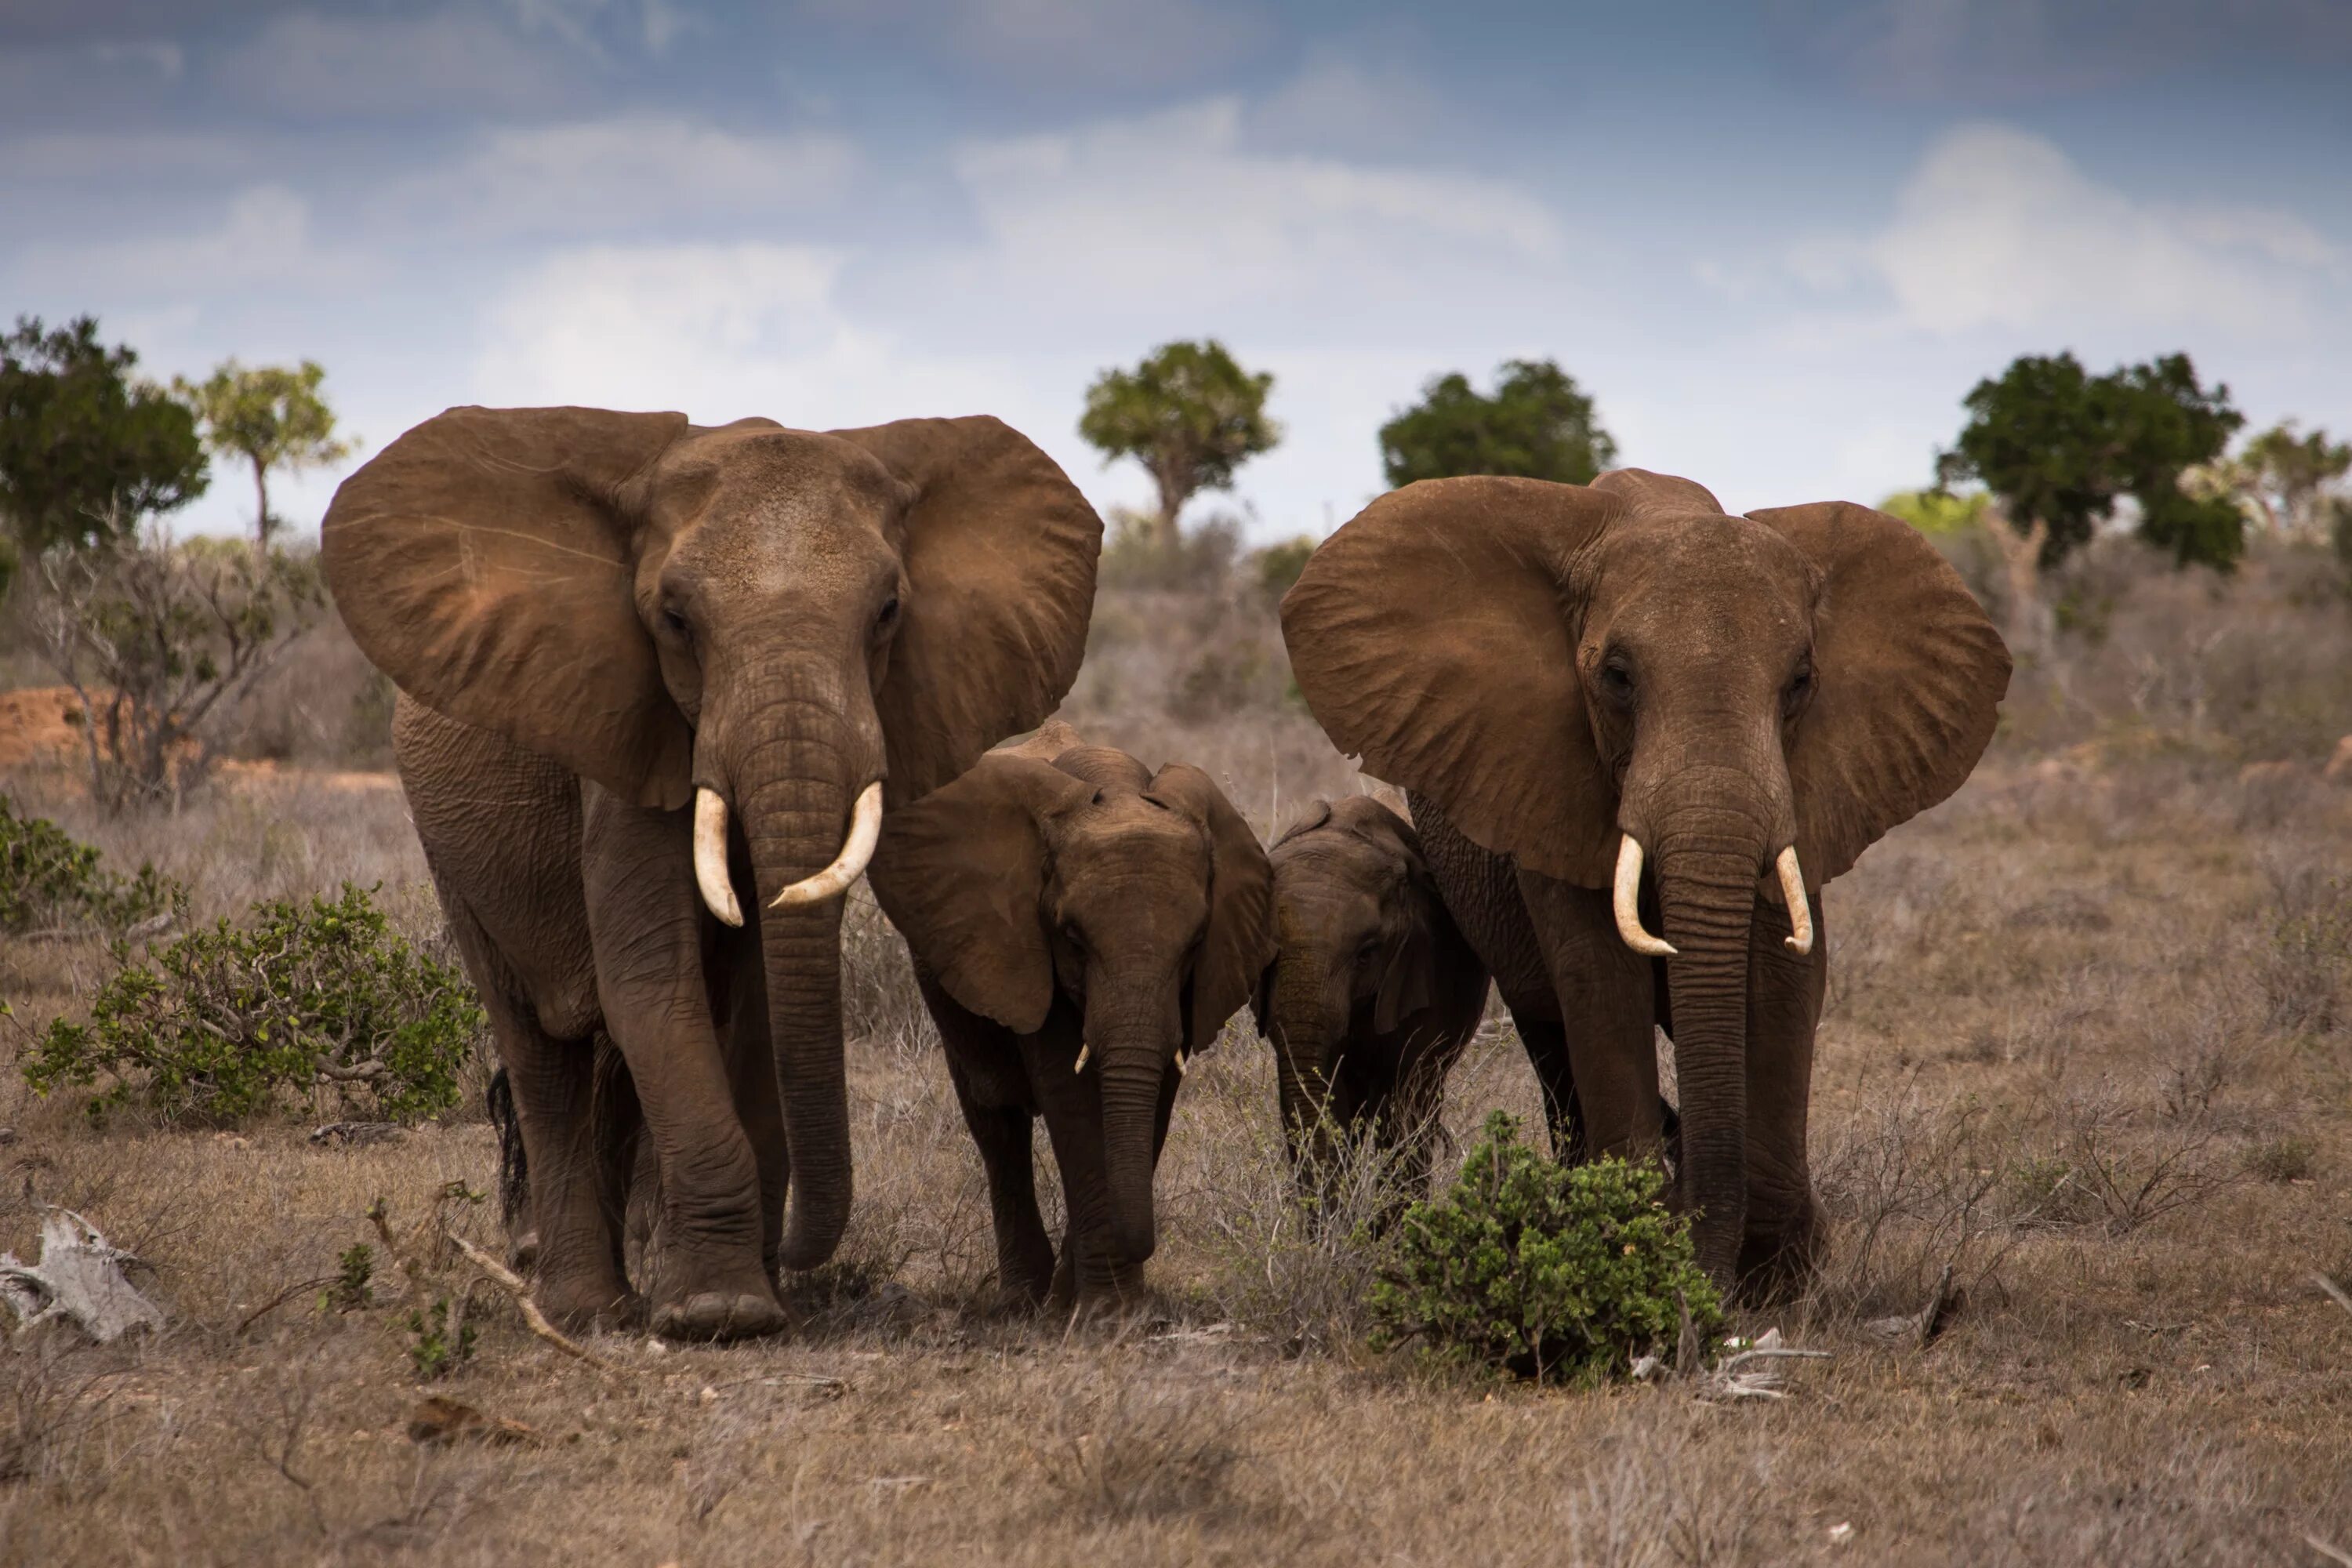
(1079, 924)
(1372, 992)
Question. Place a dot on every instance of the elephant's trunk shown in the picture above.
(1307, 1025)
(1712, 831)
(1133, 1037)
(798, 761)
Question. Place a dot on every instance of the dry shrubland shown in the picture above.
(2088, 1048)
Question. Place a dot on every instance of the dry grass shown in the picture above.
(2090, 1046)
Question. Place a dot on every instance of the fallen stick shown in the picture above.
(502, 1275)
(2334, 1291)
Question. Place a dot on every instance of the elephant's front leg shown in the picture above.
(739, 981)
(645, 921)
(1089, 1269)
(1609, 1017)
(984, 1064)
(1784, 1234)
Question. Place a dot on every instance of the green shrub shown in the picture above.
(1550, 1272)
(325, 1001)
(51, 883)
(436, 1347)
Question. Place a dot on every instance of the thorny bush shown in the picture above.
(51, 883)
(323, 1000)
(1548, 1272)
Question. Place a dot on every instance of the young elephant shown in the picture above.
(1372, 992)
(1079, 925)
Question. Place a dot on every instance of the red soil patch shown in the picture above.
(40, 726)
(40, 730)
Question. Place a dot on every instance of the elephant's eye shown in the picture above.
(1801, 685)
(1617, 680)
(888, 617)
(675, 624)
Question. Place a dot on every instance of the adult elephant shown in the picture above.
(1611, 699)
(598, 620)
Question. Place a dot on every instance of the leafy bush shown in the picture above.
(437, 1346)
(1548, 1272)
(51, 883)
(325, 1000)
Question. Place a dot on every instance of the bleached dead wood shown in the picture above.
(80, 1280)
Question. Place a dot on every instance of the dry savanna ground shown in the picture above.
(2089, 1046)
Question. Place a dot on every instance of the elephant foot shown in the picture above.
(578, 1308)
(719, 1315)
(1779, 1263)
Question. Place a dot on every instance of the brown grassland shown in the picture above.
(2089, 1045)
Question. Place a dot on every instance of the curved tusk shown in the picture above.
(1084, 1047)
(710, 856)
(1180, 1068)
(1628, 901)
(865, 828)
(1801, 908)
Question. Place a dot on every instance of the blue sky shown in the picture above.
(1778, 241)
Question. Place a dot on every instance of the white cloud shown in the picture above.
(1175, 216)
(263, 240)
(1998, 228)
(624, 173)
(109, 156)
(719, 332)
(1335, 101)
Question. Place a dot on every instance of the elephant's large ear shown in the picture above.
(961, 873)
(1644, 491)
(1000, 559)
(1908, 674)
(483, 562)
(1433, 635)
(1239, 943)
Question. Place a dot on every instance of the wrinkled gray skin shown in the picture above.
(1077, 927)
(1372, 994)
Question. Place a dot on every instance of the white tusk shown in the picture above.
(1801, 908)
(710, 856)
(1628, 902)
(1180, 1068)
(1083, 1049)
(865, 828)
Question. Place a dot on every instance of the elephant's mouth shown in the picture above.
(710, 856)
(1625, 899)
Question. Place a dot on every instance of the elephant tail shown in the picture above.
(514, 1169)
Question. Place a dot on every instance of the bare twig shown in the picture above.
(2330, 1552)
(2334, 1292)
(321, 1282)
(514, 1286)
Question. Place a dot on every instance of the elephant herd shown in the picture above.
(666, 690)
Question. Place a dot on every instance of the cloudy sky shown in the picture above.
(1777, 240)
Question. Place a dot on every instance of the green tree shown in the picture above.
(84, 445)
(1188, 414)
(2058, 447)
(1537, 424)
(271, 416)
